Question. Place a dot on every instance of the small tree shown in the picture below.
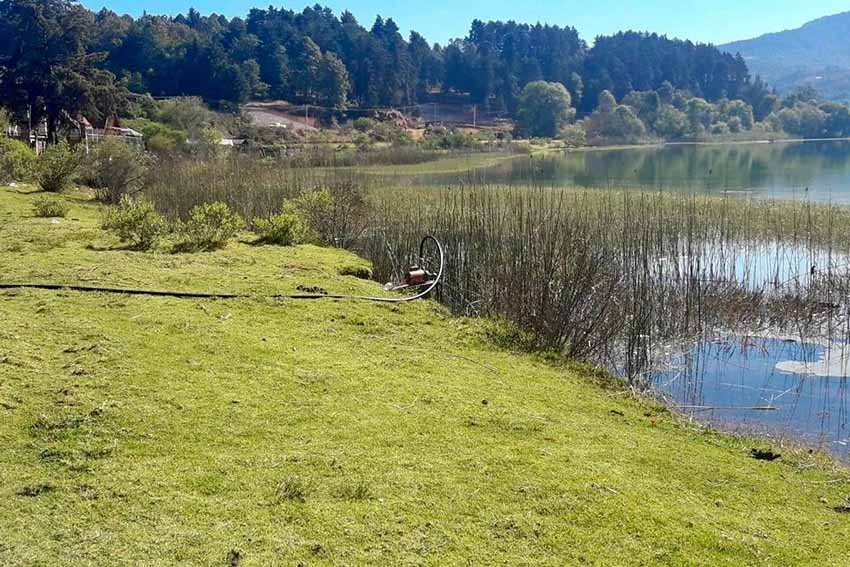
(117, 169)
(734, 125)
(788, 120)
(607, 103)
(812, 121)
(208, 143)
(646, 104)
(628, 125)
(666, 92)
(837, 119)
(574, 135)
(18, 161)
(544, 109)
(136, 223)
(720, 129)
(209, 227)
(671, 124)
(619, 124)
(700, 113)
(338, 215)
(740, 110)
(186, 114)
(57, 167)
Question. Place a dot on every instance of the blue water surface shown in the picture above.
(721, 381)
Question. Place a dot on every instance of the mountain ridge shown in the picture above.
(816, 54)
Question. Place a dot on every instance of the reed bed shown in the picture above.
(610, 276)
(253, 187)
(331, 156)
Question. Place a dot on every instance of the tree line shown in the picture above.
(56, 49)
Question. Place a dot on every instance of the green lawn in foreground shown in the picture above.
(156, 431)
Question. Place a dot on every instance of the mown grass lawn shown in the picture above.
(157, 431)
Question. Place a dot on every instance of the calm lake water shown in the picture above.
(785, 389)
(819, 171)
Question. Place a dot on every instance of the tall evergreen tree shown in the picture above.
(332, 82)
(46, 71)
(285, 54)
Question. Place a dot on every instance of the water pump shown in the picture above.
(418, 275)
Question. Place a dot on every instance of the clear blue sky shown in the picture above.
(715, 21)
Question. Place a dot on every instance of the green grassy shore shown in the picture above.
(160, 431)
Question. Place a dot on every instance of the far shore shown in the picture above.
(704, 143)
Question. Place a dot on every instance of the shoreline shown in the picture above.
(659, 145)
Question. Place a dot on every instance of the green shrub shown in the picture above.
(209, 227)
(161, 138)
(161, 144)
(338, 214)
(508, 335)
(18, 161)
(136, 223)
(382, 131)
(450, 140)
(720, 128)
(57, 167)
(359, 272)
(735, 124)
(208, 143)
(49, 207)
(364, 124)
(316, 208)
(286, 228)
(574, 135)
(116, 169)
(187, 114)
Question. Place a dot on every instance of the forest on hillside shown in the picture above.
(319, 57)
(60, 61)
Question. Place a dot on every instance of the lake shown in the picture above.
(783, 388)
(817, 170)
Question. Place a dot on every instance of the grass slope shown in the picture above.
(156, 431)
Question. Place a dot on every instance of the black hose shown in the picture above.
(429, 287)
(122, 291)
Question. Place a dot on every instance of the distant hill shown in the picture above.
(816, 54)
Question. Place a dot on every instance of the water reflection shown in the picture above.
(754, 383)
(819, 171)
(767, 266)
